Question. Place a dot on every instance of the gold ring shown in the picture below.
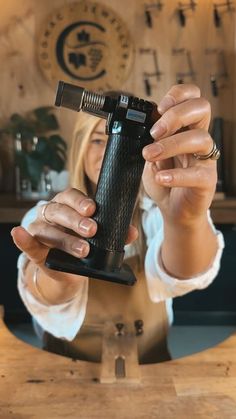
(213, 155)
(44, 213)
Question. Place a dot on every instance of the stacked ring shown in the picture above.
(213, 155)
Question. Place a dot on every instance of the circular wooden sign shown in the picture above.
(88, 44)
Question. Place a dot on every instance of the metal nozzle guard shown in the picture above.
(59, 94)
(69, 96)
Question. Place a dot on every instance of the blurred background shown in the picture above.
(143, 47)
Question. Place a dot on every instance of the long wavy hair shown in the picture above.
(84, 127)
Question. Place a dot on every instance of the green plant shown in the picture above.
(37, 147)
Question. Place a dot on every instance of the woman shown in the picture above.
(177, 251)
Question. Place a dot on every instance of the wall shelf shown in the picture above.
(223, 211)
(12, 209)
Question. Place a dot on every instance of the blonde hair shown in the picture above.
(84, 127)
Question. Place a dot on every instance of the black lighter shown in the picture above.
(129, 120)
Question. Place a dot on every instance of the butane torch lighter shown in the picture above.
(129, 120)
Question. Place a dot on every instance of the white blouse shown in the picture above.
(64, 320)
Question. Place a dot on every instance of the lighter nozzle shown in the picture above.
(69, 96)
(77, 98)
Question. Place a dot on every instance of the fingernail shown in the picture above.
(86, 224)
(86, 204)
(164, 177)
(158, 129)
(153, 150)
(81, 248)
(166, 103)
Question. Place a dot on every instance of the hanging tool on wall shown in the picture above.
(156, 74)
(189, 73)
(218, 75)
(181, 11)
(217, 133)
(149, 8)
(217, 15)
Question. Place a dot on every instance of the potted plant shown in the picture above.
(38, 149)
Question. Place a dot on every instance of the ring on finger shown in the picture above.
(44, 212)
(213, 155)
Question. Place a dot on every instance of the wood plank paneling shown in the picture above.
(23, 86)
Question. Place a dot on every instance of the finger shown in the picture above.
(132, 234)
(36, 251)
(201, 177)
(51, 236)
(194, 113)
(65, 216)
(76, 200)
(196, 141)
(178, 94)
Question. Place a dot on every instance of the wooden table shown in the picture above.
(36, 384)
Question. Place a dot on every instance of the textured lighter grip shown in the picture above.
(117, 190)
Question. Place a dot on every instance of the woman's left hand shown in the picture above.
(181, 185)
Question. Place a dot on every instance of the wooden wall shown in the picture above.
(23, 86)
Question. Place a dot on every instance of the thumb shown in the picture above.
(36, 251)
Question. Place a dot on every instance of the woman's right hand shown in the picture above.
(63, 223)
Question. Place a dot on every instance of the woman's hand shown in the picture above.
(181, 185)
(64, 223)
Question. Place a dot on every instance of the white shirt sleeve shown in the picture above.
(162, 286)
(62, 320)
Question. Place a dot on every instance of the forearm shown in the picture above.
(188, 250)
(49, 290)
